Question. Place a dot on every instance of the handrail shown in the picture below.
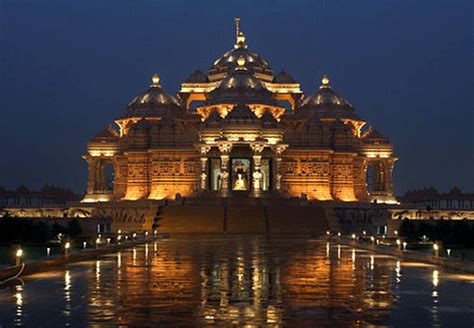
(15, 276)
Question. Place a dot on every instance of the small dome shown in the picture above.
(152, 102)
(283, 78)
(197, 77)
(327, 103)
(108, 134)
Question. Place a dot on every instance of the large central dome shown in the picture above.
(228, 61)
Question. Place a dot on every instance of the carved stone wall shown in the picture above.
(172, 172)
(306, 172)
(342, 182)
(138, 186)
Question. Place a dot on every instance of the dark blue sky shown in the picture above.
(68, 68)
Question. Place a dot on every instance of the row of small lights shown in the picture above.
(398, 241)
(67, 245)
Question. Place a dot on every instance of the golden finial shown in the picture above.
(240, 38)
(241, 62)
(325, 81)
(155, 80)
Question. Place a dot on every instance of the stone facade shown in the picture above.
(250, 131)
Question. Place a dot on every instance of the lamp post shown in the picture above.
(353, 236)
(436, 249)
(84, 244)
(97, 242)
(19, 254)
(67, 245)
(404, 245)
(399, 243)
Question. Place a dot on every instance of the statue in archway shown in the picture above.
(240, 182)
(257, 180)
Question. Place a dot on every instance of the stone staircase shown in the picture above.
(244, 215)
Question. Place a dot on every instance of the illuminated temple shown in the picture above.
(240, 129)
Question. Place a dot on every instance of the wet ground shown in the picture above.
(241, 280)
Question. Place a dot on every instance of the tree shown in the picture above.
(74, 228)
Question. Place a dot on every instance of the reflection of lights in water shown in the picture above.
(273, 315)
(146, 251)
(155, 247)
(372, 262)
(19, 305)
(353, 258)
(398, 272)
(134, 256)
(97, 274)
(339, 251)
(435, 278)
(240, 268)
(67, 293)
(119, 259)
(327, 249)
(434, 309)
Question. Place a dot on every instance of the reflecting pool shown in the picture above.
(241, 280)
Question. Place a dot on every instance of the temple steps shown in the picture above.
(192, 219)
(244, 216)
(245, 219)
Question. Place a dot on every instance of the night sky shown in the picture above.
(68, 68)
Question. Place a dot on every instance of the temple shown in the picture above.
(240, 129)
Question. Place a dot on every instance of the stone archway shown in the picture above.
(375, 174)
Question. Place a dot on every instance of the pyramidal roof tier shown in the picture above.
(373, 134)
(197, 77)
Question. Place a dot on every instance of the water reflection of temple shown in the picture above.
(249, 282)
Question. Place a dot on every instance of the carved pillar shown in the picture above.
(257, 149)
(278, 150)
(92, 174)
(389, 164)
(225, 148)
(203, 150)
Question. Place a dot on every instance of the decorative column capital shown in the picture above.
(203, 148)
(258, 147)
(225, 146)
(279, 149)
